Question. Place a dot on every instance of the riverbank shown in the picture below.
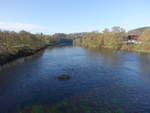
(20, 58)
(14, 47)
(17, 59)
(125, 47)
(113, 40)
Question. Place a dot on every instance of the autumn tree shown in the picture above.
(145, 36)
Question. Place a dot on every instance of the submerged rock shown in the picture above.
(63, 77)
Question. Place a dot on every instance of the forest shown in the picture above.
(18, 44)
(116, 38)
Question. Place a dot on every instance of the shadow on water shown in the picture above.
(102, 81)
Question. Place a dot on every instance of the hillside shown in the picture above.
(138, 31)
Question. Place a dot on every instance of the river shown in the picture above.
(116, 78)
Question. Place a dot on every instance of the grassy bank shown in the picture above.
(14, 45)
(115, 39)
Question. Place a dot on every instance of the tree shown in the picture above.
(106, 30)
(117, 29)
(145, 36)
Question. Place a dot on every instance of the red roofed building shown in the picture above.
(133, 37)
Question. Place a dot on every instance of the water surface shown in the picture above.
(117, 79)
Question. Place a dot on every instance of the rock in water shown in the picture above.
(63, 77)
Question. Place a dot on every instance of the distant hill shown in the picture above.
(138, 31)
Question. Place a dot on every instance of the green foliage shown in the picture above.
(145, 39)
(14, 44)
(37, 109)
(107, 39)
(75, 105)
(115, 39)
(145, 36)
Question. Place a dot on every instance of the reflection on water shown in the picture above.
(109, 78)
(107, 56)
(21, 60)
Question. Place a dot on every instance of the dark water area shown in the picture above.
(117, 78)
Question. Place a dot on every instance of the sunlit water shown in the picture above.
(117, 78)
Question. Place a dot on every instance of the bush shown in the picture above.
(107, 39)
(14, 44)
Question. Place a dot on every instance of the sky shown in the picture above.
(69, 16)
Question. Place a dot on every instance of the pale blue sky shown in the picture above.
(50, 16)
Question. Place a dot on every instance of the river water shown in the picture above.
(117, 78)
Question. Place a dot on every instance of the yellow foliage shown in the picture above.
(145, 36)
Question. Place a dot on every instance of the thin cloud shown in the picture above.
(21, 26)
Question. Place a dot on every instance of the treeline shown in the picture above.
(14, 45)
(105, 39)
(71, 36)
(145, 39)
(116, 38)
(63, 38)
